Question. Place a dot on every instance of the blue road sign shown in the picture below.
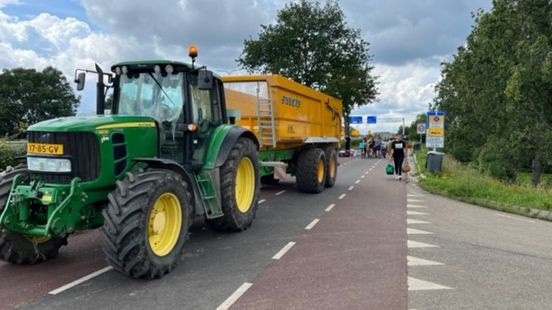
(355, 119)
(372, 119)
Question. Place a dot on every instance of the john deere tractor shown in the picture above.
(165, 155)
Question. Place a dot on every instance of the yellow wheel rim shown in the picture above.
(164, 224)
(333, 167)
(320, 170)
(245, 184)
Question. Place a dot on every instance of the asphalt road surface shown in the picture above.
(370, 242)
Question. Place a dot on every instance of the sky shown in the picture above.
(409, 39)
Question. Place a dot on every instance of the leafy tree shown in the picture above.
(312, 44)
(28, 96)
(497, 91)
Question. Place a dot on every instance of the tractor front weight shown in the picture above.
(47, 210)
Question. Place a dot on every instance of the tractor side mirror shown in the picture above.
(205, 80)
(81, 77)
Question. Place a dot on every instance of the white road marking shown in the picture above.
(415, 261)
(79, 281)
(280, 193)
(311, 225)
(342, 196)
(357, 181)
(408, 212)
(514, 218)
(362, 177)
(414, 221)
(414, 200)
(421, 285)
(411, 206)
(284, 250)
(262, 200)
(235, 296)
(367, 171)
(412, 231)
(330, 207)
(415, 195)
(351, 187)
(417, 245)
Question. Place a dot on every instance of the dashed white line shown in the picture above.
(412, 231)
(351, 187)
(311, 225)
(415, 261)
(283, 251)
(414, 200)
(330, 207)
(235, 296)
(362, 176)
(341, 196)
(262, 200)
(357, 181)
(421, 285)
(408, 212)
(79, 281)
(415, 195)
(414, 221)
(280, 193)
(415, 245)
(514, 218)
(412, 206)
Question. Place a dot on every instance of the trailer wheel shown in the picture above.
(331, 168)
(16, 248)
(311, 171)
(146, 223)
(239, 185)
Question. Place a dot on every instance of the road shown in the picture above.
(370, 242)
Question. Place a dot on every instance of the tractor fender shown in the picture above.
(161, 163)
(231, 137)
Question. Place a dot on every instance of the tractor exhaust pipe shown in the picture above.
(100, 92)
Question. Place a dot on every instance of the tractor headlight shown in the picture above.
(46, 164)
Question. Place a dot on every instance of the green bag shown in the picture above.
(389, 169)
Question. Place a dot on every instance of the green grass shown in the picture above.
(464, 182)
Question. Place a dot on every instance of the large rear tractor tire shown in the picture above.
(311, 171)
(331, 167)
(240, 186)
(16, 248)
(146, 223)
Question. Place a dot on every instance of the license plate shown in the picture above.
(44, 148)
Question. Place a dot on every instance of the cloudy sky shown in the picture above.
(408, 38)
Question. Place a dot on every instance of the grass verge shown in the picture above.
(465, 183)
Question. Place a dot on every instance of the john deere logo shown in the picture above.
(294, 102)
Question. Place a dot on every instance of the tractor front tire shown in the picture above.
(146, 223)
(14, 247)
(331, 167)
(311, 171)
(239, 185)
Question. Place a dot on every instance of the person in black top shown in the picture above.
(398, 152)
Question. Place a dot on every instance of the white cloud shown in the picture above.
(4, 3)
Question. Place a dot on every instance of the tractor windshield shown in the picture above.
(151, 94)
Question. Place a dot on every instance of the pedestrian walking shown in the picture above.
(398, 153)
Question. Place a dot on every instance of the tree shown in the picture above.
(28, 96)
(313, 45)
(497, 91)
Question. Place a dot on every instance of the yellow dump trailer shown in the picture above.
(298, 127)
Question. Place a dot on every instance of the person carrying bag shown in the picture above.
(398, 153)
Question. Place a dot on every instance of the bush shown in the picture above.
(9, 150)
(494, 159)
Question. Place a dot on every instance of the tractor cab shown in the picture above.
(186, 102)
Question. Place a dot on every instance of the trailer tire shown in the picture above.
(331, 167)
(146, 223)
(14, 247)
(311, 171)
(238, 174)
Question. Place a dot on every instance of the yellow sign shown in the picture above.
(44, 148)
(436, 131)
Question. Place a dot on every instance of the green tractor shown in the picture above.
(165, 155)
